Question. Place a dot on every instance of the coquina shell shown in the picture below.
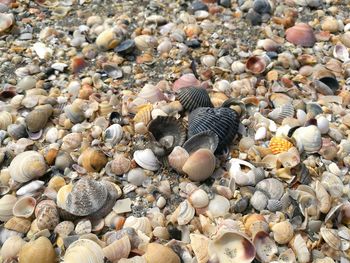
(27, 166)
(223, 121)
(113, 134)
(146, 159)
(38, 251)
(6, 204)
(192, 98)
(84, 250)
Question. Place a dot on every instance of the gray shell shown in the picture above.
(206, 139)
(17, 131)
(274, 205)
(271, 187)
(192, 98)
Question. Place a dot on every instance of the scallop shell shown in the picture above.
(24, 207)
(308, 139)
(283, 232)
(231, 247)
(86, 197)
(144, 114)
(27, 166)
(113, 134)
(18, 224)
(157, 253)
(203, 140)
(265, 247)
(278, 145)
(118, 249)
(168, 131)
(6, 204)
(223, 121)
(301, 34)
(192, 98)
(11, 247)
(142, 224)
(38, 118)
(177, 158)
(146, 159)
(38, 251)
(84, 250)
(279, 114)
(92, 160)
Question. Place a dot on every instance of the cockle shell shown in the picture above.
(24, 207)
(283, 232)
(301, 34)
(118, 249)
(151, 93)
(308, 138)
(5, 120)
(177, 158)
(192, 98)
(157, 253)
(11, 247)
(186, 80)
(84, 250)
(27, 166)
(199, 198)
(38, 251)
(139, 223)
(146, 159)
(120, 165)
(113, 134)
(278, 145)
(6, 204)
(93, 160)
(281, 113)
(206, 139)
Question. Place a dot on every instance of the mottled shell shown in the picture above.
(206, 139)
(278, 145)
(120, 165)
(301, 34)
(223, 121)
(47, 216)
(118, 249)
(84, 226)
(146, 159)
(139, 223)
(38, 251)
(192, 98)
(266, 248)
(177, 158)
(86, 197)
(27, 166)
(5, 120)
(113, 134)
(6, 204)
(157, 253)
(18, 224)
(200, 165)
(11, 247)
(283, 232)
(92, 160)
(84, 250)
(24, 207)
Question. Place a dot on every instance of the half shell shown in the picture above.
(146, 159)
(203, 140)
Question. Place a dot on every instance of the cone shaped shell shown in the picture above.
(192, 98)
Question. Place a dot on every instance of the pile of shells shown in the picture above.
(174, 131)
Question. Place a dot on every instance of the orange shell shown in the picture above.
(278, 145)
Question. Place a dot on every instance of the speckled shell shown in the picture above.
(206, 139)
(84, 250)
(47, 215)
(87, 197)
(120, 165)
(223, 121)
(278, 145)
(192, 98)
(37, 251)
(168, 131)
(92, 160)
(27, 166)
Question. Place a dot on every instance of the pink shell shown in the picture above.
(301, 34)
(187, 80)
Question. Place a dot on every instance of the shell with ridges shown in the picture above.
(278, 145)
(280, 113)
(38, 118)
(283, 232)
(331, 237)
(192, 98)
(199, 244)
(308, 138)
(64, 228)
(84, 250)
(11, 247)
(144, 114)
(120, 165)
(271, 187)
(19, 224)
(146, 159)
(139, 223)
(39, 251)
(5, 120)
(6, 204)
(199, 198)
(118, 249)
(113, 134)
(206, 139)
(184, 213)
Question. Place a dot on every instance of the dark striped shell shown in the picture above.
(223, 121)
(168, 131)
(206, 139)
(192, 98)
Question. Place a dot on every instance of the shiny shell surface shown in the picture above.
(192, 98)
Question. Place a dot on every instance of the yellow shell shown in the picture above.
(144, 114)
(278, 145)
(38, 251)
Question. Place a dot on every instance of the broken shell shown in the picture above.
(265, 247)
(199, 198)
(256, 64)
(300, 249)
(308, 139)
(283, 232)
(323, 197)
(18, 224)
(244, 178)
(114, 221)
(11, 247)
(331, 237)
(146, 159)
(120, 165)
(142, 224)
(6, 204)
(118, 249)
(6, 22)
(92, 160)
(84, 250)
(271, 187)
(177, 158)
(64, 228)
(24, 207)
(301, 34)
(184, 213)
(341, 52)
(39, 251)
(200, 165)
(203, 140)
(27, 166)
(278, 145)
(192, 98)
(199, 244)
(157, 253)
(113, 134)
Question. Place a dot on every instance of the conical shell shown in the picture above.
(84, 250)
(157, 253)
(118, 249)
(192, 98)
(6, 204)
(37, 251)
(223, 121)
(278, 145)
(206, 139)
(27, 166)
(92, 160)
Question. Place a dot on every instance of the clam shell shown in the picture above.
(177, 158)
(223, 121)
(118, 249)
(38, 118)
(218, 206)
(157, 253)
(341, 52)
(308, 139)
(151, 93)
(301, 34)
(203, 140)
(265, 247)
(27, 166)
(283, 232)
(64, 228)
(278, 145)
(71, 141)
(17, 131)
(192, 98)
(38, 251)
(184, 213)
(113, 134)
(199, 198)
(11, 247)
(92, 160)
(24, 207)
(146, 159)
(142, 224)
(18, 224)
(75, 111)
(6, 204)
(144, 114)
(86, 197)
(331, 237)
(84, 250)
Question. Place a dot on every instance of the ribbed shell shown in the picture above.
(223, 121)
(192, 98)
(278, 145)
(206, 139)
(279, 114)
(87, 197)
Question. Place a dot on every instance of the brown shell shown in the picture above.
(38, 251)
(93, 160)
(19, 224)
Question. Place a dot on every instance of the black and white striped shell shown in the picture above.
(192, 98)
(223, 121)
(206, 139)
(168, 131)
(87, 197)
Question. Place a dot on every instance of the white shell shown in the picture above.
(151, 93)
(341, 52)
(308, 138)
(146, 159)
(199, 198)
(242, 178)
(219, 206)
(142, 224)
(52, 135)
(84, 250)
(6, 204)
(113, 134)
(11, 247)
(261, 133)
(322, 124)
(30, 188)
(42, 50)
(185, 213)
(208, 60)
(300, 249)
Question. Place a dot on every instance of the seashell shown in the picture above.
(6, 204)
(39, 251)
(11, 247)
(151, 93)
(177, 158)
(283, 232)
(332, 184)
(192, 98)
(113, 134)
(308, 139)
(238, 67)
(231, 247)
(84, 198)
(200, 165)
(18, 224)
(202, 140)
(56, 182)
(184, 213)
(199, 198)
(300, 249)
(16, 131)
(331, 237)
(157, 253)
(125, 47)
(144, 114)
(105, 107)
(199, 245)
(145, 42)
(301, 34)
(5, 120)
(223, 121)
(30, 187)
(24, 207)
(265, 247)
(71, 141)
(108, 39)
(92, 160)
(146, 159)
(208, 60)
(325, 81)
(268, 44)
(323, 198)
(63, 160)
(186, 80)
(256, 64)
(259, 200)
(142, 224)
(120, 165)
(168, 131)
(4, 190)
(64, 228)
(114, 221)
(84, 226)
(118, 249)
(165, 46)
(271, 187)
(75, 111)
(279, 114)
(278, 145)
(262, 6)
(274, 205)
(218, 206)
(322, 124)
(27, 166)
(341, 52)
(38, 118)
(287, 256)
(261, 133)
(84, 250)
(6, 22)
(47, 216)
(242, 178)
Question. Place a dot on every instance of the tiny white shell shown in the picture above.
(146, 159)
